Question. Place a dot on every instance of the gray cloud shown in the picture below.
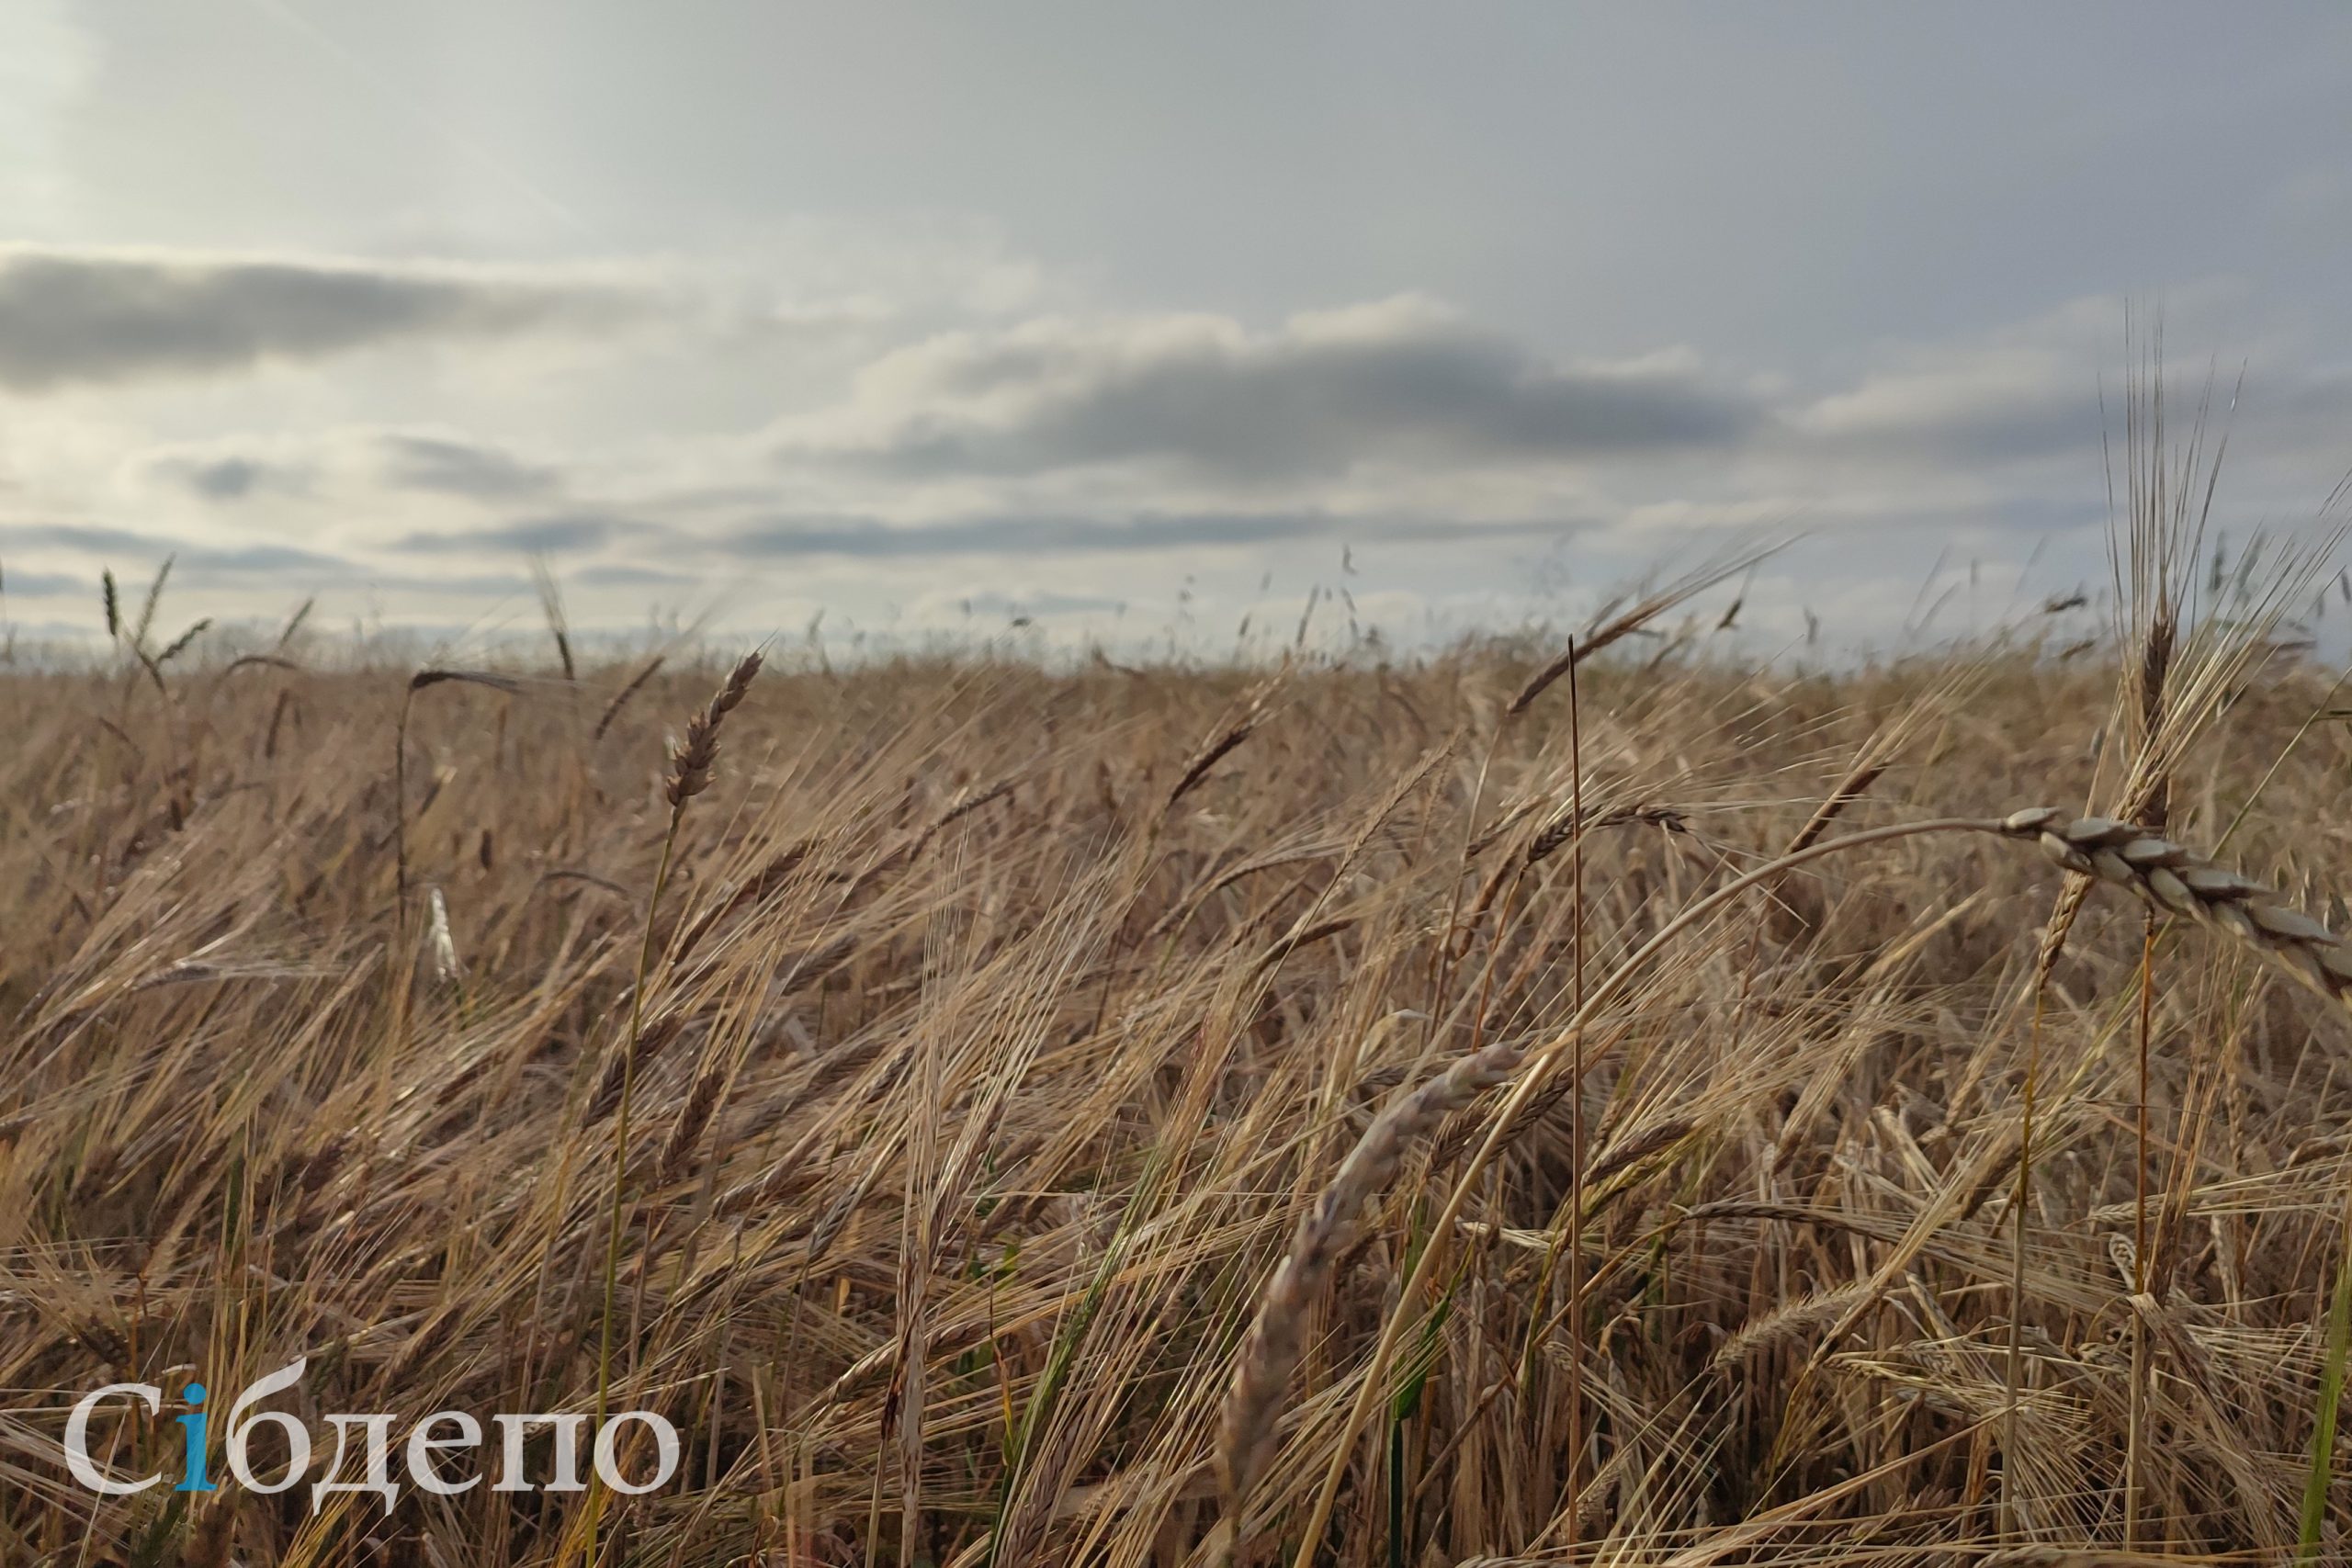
(1998, 405)
(228, 477)
(556, 533)
(69, 317)
(261, 560)
(863, 538)
(43, 584)
(633, 577)
(225, 479)
(2026, 414)
(193, 561)
(239, 468)
(451, 466)
(991, 602)
(88, 538)
(1402, 381)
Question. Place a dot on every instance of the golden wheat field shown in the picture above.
(1656, 1108)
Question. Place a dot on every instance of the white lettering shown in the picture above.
(567, 1451)
(77, 1439)
(665, 1449)
(241, 1426)
(420, 1444)
(379, 1461)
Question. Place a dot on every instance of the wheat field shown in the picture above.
(1344, 1111)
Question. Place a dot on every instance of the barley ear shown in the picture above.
(2173, 880)
(691, 763)
(1248, 1431)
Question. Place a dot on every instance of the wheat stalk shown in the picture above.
(620, 698)
(690, 771)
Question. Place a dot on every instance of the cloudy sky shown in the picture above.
(1136, 320)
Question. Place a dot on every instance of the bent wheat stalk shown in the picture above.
(2159, 871)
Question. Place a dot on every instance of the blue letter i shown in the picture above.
(192, 1478)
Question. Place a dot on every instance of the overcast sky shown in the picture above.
(1129, 319)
